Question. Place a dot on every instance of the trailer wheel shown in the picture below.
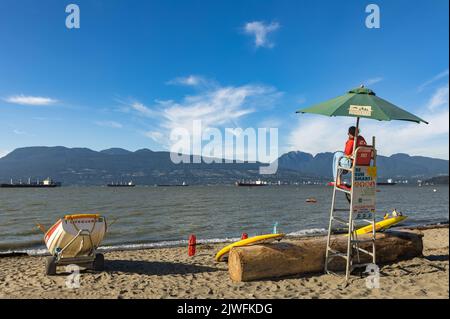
(50, 266)
(99, 262)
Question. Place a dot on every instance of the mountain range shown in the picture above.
(83, 166)
(396, 166)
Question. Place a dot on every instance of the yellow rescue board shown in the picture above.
(384, 224)
(246, 242)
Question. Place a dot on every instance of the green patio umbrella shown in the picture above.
(362, 103)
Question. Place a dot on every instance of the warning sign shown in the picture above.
(364, 192)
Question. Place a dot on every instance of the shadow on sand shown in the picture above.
(142, 267)
(437, 257)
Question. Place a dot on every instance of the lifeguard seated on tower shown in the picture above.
(344, 160)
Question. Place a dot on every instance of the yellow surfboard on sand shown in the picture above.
(220, 256)
(382, 225)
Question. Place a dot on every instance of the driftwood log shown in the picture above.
(308, 255)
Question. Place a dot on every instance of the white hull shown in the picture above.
(65, 230)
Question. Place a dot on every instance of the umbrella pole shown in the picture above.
(355, 141)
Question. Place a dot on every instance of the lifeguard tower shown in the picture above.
(357, 103)
(361, 195)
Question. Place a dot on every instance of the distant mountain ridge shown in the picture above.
(116, 151)
(83, 166)
(395, 166)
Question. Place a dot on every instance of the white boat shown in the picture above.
(75, 235)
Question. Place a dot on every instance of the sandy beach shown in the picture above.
(171, 273)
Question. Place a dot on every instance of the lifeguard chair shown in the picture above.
(361, 195)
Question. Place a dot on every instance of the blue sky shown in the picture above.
(137, 69)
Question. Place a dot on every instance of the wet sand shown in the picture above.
(171, 273)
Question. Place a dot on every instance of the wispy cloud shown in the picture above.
(142, 109)
(22, 132)
(43, 118)
(373, 81)
(260, 31)
(192, 80)
(19, 132)
(439, 98)
(110, 124)
(392, 137)
(154, 135)
(437, 77)
(3, 153)
(217, 107)
(30, 100)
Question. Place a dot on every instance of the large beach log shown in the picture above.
(308, 255)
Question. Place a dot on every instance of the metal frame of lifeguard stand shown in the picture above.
(353, 241)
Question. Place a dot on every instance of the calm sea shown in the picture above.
(159, 216)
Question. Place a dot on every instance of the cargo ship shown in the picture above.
(251, 183)
(173, 185)
(46, 183)
(389, 182)
(129, 184)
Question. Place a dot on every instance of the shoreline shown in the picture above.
(314, 232)
(170, 273)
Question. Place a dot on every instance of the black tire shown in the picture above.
(50, 266)
(99, 262)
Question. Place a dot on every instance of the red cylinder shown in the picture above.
(191, 245)
(244, 236)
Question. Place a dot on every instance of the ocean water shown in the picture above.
(165, 216)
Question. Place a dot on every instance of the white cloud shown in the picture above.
(437, 77)
(3, 153)
(217, 107)
(110, 124)
(260, 31)
(30, 100)
(191, 80)
(22, 132)
(42, 118)
(372, 81)
(19, 132)
(155, 135)
(142, 109)
(315, 134)
(439, 98)
(214, 108)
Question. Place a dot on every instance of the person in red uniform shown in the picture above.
(343, 158)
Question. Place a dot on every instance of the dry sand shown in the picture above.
(170, 273)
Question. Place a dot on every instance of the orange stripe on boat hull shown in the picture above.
(51, 230)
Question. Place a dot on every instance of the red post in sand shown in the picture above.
(191, 245)
(244, 236)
